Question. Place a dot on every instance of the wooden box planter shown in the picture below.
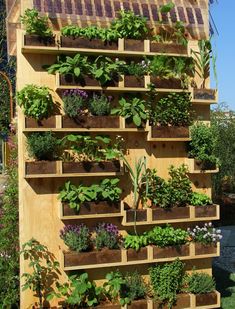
(104, 306)
(173, 48)
(204, 94)
(203, 165)
(88, 44)
(104, 256)
(133, 45)
(45, 123)
(91, 167)
(171, 213)
(36, 40)
(70, 80)
(138, 304)
(141, 215)
(91, 122)
(205, 211)
(166, 83)
(89, 208)
(171, 251)
(131, 81)
(133, 255)
(201, 249)
(207, 299)
(131, 125)
(169, 132)
(40, 167)
(183, 301)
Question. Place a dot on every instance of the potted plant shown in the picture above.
(44, 148)
(38, 32)
(171, 116)
(203, 205)
(91, 154)
(205, 238)
(101, 198)
(91, 37)
(134, 74)
(37, 104)
(136, 247)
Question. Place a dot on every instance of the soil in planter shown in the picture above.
(91, 167)
(133, 255)
(91, 122)
(141, 215)
(86, 43)
(131, 81)
(183, 301)
(173, 48)
(40, 167)
(204, 165)
(89, 208)
(134, 45)
(169, 132)
(171, 251)
(204, 94)
(205, 211)
(71, 80)
(138, 304)
(45, 123)
(105, 256)
(36, 40)
(201, 249)
(166, 83)
(170, 213)
(206, 299)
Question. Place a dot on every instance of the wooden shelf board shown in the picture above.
(162, 139)
(93, 216)
(203, 102)
(84, 130)
(72, 175)
(203, 171)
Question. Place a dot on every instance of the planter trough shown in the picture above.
(40, 167)
(141, 215)
(169, 132)
(86, 43)
(45, 123)
(131, 81)
(171, 213)
(204, 94)
(133, 255)
(206, 299)
(173, 48)
(89, 208)
(133, 45)
(70, 80)
(36, 40)
(164, 83)
(91, 167)
(201, 249)
(138, 304)
(183, 301)
(91, 122)
(171, 251)
(205, 211)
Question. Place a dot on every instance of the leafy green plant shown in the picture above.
(43, 265)
(106, 190)
(75, 102)
(36, 24)
(130, 26)
(166, 280)
(42, 146)
(199, 283)
(135, 241)
(200, 199)
(107, 236)
(100, 105)
(172, 34)
(135, 286)
(202, 145)
(137, 69)
(36, 101)
(76, 237)
(133, 110)
(173, 109)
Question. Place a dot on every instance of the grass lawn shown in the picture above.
(225, 284)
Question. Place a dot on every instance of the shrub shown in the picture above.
(100, 105)
(76, 237)
(135, 286)
(200, 199)
(205, 235)
(200, 283)
(166, 280)
(36, 101)
(107, 236)
(74, 102)
(42, 146)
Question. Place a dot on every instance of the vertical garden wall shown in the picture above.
(114, 168)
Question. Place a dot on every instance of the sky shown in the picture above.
(224, 46)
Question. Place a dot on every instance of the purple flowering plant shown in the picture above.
(75, 102)
(206, 234)
(76, 237)
(107, 236)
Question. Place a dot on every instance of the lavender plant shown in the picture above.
(76, 237)
(107, 236)
(100, 105)
(205, 235)
(75, 101)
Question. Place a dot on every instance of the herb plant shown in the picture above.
(137, 69)
(135, 286)
(76, 237)
(200, 199)
(206, 234)
(36, 24)
(200, 283)
(42, 146)
(107, 236)
(174, 34)
(100, 105)
(36, 101)
(135, 241)
(75, 101)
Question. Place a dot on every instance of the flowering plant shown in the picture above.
(76, 237)
(107, 235)
(75, 101)
(138, 69)
(206, 234)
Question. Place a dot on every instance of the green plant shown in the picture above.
(107, 236)
(166, 280)
(135, 241)
(135, 286)
(202, 145)
(75, 102)
(43, 265)
(106, 190)
(137, 69)
(206, 234)
(172, 34)
(36, 24)
(167, 236)
(199, 283)
(200, 199)
(173, 109)
(130, 26)
(36, 101)
(133, 110)
(42, 146)
(100, 105)
(76, 237)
